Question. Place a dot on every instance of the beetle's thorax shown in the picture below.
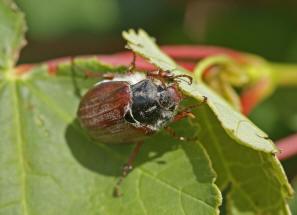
(152, 105)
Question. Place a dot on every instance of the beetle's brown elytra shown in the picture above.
(130, 108)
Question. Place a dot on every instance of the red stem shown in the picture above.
(200, 52)
(287, 146)
(254, 95)
(186, 56)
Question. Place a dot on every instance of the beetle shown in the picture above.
(128, 109)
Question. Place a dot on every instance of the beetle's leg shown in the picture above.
(131, 67)
(160, 74)
(185, 76)
(155, 74)
(127, 167)
(166, 74)
(172, 133)
(186, 111)
(183, 114)
(162, 81)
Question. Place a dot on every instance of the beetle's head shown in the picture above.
(154, 105)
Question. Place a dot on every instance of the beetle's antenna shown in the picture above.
(185, 76)
(127, 167)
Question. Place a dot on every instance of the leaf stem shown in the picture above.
(284, 74)
(288, 147)
(207, 62)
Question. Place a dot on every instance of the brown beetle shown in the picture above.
(120, 111)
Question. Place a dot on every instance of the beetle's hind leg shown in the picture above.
(127, 167)
(173, 134)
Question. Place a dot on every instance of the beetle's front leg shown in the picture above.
(186, 111)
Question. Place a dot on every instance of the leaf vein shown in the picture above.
(181, 202)
(139, 193)
(66, 193)
(20, 146)
(176, 189)
(8, 204)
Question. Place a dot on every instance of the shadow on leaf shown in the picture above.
(109, 159)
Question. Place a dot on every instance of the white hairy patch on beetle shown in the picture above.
(151, 109)
(131, 78)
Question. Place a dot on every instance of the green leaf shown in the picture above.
(12, 28)
(293, 201)
(242, 155)
(49, 165)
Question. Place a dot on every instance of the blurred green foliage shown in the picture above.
(51, 19)
(277, 115)
(267, 31)
(57, 18)
(264, 28)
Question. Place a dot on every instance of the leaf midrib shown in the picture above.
(20, 145)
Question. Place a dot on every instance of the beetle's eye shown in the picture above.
(160, 88)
